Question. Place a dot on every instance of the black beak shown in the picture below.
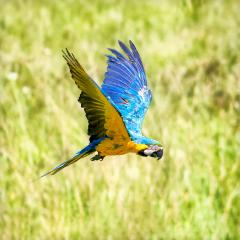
(159, 153)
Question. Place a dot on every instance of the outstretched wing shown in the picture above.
(126, 84)
(100, 112)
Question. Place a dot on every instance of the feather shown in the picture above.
(100, 111)
(125, 83)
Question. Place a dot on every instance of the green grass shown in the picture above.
(191, 53)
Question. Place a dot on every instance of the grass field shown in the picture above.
(191, 53)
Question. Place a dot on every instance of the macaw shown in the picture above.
(115, 111)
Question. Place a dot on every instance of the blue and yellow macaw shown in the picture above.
(115, 111)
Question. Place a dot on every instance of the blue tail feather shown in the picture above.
(83, 153)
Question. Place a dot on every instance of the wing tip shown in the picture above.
(120, 43)
(65, 53)
(132, 45)
(123, 46)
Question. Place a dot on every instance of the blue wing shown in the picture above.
(126, 84)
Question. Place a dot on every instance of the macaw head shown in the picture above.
(155, 151)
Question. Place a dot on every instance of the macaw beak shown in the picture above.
(159, 153)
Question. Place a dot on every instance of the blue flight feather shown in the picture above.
(125, 83)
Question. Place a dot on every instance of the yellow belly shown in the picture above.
(118, 147)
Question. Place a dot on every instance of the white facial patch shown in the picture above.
(149, 152)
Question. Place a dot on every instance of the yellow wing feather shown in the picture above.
(113, 123)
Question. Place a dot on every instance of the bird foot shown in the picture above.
(97, 157)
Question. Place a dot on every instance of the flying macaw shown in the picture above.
(115, 111)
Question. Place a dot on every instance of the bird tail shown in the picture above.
(81, 154)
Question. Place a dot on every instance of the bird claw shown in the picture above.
(97, 157)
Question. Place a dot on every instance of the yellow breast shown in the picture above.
(136, 147)
(118, 147)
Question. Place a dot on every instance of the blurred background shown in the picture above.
(191, 53)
